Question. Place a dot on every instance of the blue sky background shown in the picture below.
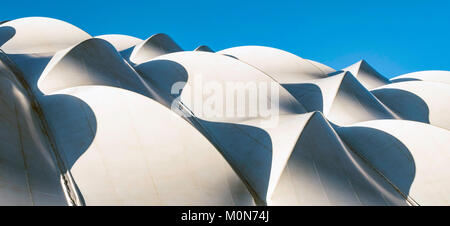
(395, 37)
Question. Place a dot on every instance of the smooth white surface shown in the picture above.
(414, 162)
(121, 42)
(156, 45)
(418, 101)
(39, 35)
(367, 75)
(141, 153)
(92, 62)
(282, 66)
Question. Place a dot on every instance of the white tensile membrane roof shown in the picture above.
(118, 120)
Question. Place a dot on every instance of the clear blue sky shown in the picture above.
(395, 37)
